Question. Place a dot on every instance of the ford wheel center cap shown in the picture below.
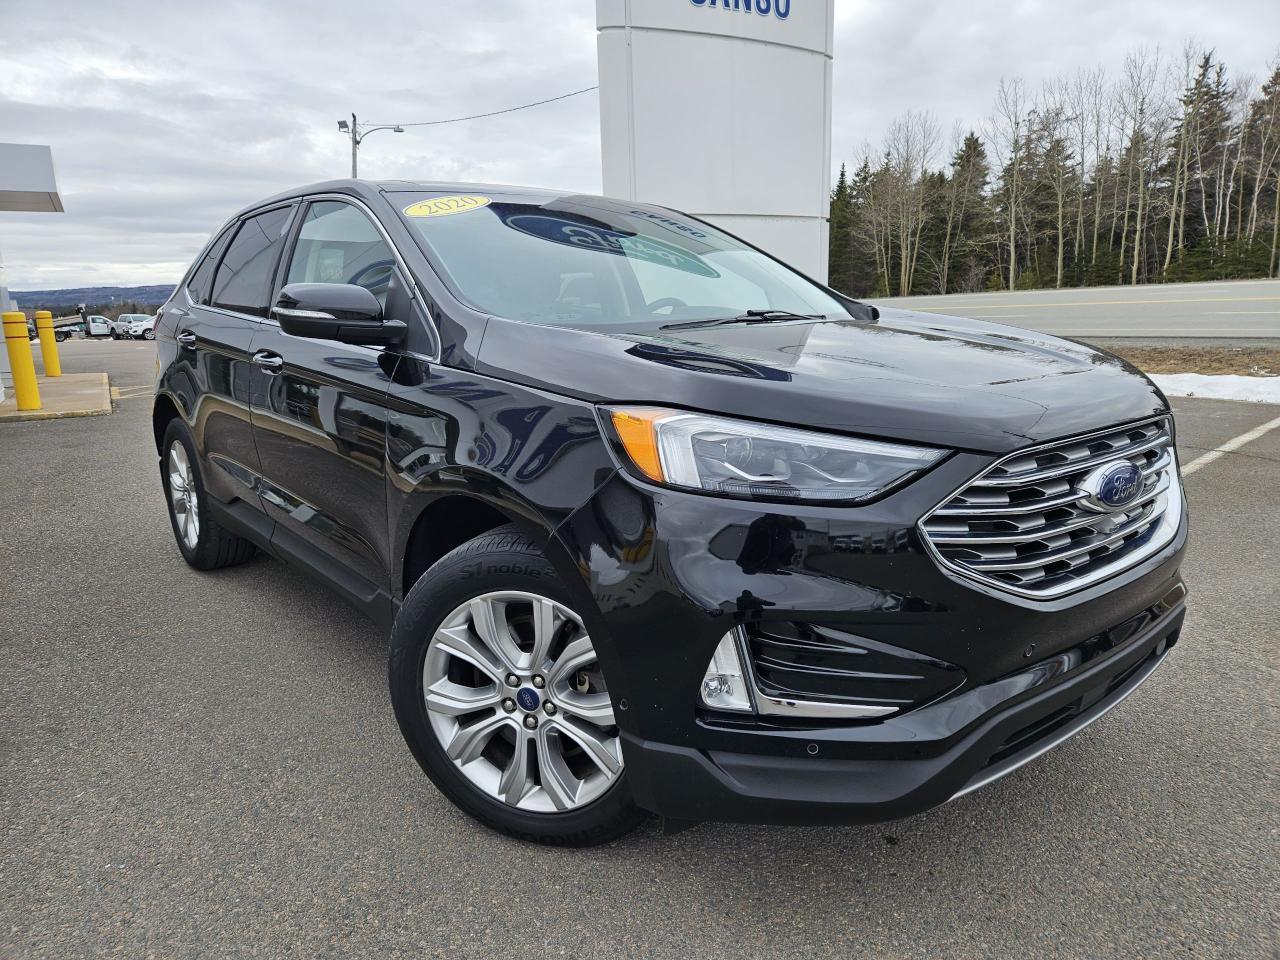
(528, 698)
(1113, 486)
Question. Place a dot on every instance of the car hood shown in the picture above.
(946, 381)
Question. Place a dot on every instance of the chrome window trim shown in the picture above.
(1165, 531)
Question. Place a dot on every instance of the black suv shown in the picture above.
(656, 522)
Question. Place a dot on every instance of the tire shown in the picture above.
(114, 335)
(591, 804)
(149, 334)
(210, 547)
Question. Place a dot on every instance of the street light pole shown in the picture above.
(353, 130)
(355, 146)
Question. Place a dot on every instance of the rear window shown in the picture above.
(244, 278)
(200, 283)
(589, 261)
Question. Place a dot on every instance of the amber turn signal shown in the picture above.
(636, 428)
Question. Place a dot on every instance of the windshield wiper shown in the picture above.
(751, 316)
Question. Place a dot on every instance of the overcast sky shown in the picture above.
(164, 118)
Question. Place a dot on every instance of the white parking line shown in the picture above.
(1230, 446)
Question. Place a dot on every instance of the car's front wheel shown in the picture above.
(500, 696)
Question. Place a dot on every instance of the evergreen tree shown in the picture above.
(841, 256)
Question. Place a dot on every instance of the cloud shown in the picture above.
(166, 118)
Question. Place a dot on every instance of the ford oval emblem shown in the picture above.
(528, 699)
(1113, 486)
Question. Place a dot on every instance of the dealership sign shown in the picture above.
(779, 8)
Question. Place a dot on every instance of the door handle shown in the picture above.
(270, 362)
(187, 338)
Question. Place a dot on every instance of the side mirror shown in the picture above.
(335, 311)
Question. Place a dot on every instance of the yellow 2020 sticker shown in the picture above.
(445, 206)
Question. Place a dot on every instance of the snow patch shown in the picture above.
(1224, 387)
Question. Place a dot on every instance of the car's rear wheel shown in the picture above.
(204, 543)
(149, 334)
(499, 693)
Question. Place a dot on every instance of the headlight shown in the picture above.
(739, 458)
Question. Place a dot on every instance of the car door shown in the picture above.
(320, 415)
(227, 297)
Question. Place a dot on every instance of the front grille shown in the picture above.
(1022, 524)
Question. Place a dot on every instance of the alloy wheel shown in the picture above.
(515, 696)
(182, 493)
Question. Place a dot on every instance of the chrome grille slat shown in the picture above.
(1055, 555)
(1054, 473)
(1022, 525)
(1031, 506)
(1045, 530)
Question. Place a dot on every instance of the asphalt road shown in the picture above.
(1230, 309)
(207, 765)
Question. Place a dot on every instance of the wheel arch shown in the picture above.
(447, 522)
(164, 410)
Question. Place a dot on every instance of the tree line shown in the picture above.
(1168, 172)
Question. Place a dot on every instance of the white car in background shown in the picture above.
(138, 326)
(97, 325)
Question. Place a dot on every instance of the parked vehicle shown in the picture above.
(657, 523)
(137, 326)
(141, 326)
(98, 326)
(67, 331)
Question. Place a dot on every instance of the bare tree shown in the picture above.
(912, 144)
(1007, 134)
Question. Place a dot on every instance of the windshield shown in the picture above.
(588, 261)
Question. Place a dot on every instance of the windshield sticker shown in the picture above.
(446, 206)
(572, 233)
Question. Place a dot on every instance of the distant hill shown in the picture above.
(66, 300)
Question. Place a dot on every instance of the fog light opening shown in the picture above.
(724, 685)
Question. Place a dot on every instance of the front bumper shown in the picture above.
(685, 783)
(665, 575)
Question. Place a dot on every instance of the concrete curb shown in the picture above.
(71, 395)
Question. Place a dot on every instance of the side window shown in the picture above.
(338, 244)
(198, 287)
(244, 278)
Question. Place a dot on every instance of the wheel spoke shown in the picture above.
(557, 779)
(592, 742)
(455, 700)
(469, 742)
(593, 707)
(517, 779)
(545, 624)
(490, 622)
(577, 654)
(459, 642)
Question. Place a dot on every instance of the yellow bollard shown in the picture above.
(48, 344)
(23, 367)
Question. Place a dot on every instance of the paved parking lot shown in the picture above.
(207, 765)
